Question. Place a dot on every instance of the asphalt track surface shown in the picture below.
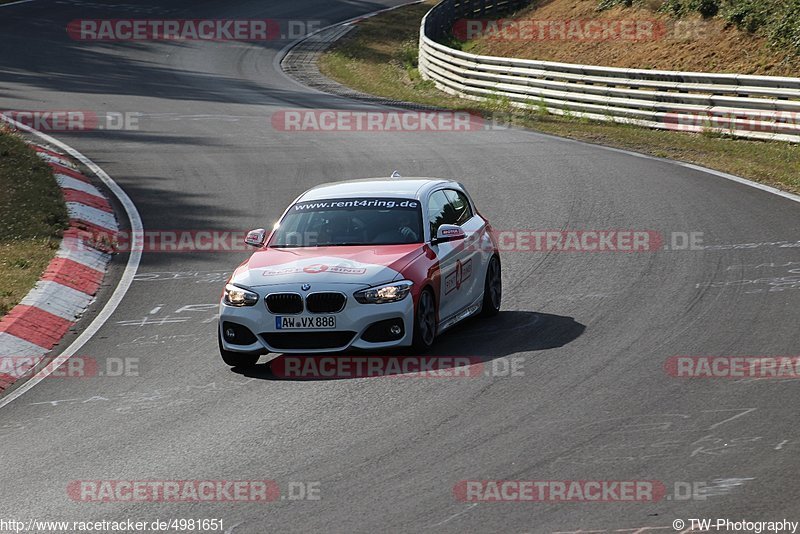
(592, 330)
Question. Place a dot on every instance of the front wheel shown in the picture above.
(492, 288)
(236, 359)
(424, 322)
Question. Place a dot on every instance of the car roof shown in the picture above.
(376, 187)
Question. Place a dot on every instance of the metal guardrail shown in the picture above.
(759, 107)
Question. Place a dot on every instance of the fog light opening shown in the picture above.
(237, 334)
(384, 331)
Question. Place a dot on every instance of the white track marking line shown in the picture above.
(700, 168)
(127, 275)
(739, 179)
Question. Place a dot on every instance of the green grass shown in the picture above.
(380, 58)
(32, 219)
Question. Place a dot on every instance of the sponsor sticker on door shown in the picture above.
(462, 273)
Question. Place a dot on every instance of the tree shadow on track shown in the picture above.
(53, 61)
(470, 344)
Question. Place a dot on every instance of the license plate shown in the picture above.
(319, 322)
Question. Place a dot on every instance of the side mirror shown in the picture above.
(255, 238)
(449, 232)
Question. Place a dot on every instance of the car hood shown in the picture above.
(356, 265)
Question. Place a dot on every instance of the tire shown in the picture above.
(492, 288)
(424, 322)
(236, 359)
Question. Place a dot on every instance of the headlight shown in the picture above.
(236, 296)
(385, 293)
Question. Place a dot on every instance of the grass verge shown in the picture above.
(380, 58)
(32, 218)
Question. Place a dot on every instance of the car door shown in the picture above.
(456, 262)
(470, 278)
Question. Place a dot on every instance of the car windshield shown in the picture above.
(350, 221)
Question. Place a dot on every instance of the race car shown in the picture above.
(362, 264)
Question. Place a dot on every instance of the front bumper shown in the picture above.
(355, 319)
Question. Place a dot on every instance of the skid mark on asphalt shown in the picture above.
(200, 277)
(231, 528)
(157, 339)
(738, 415)
(183, 314)
(787, 279)
(146, 401)
(462, 512)
(700, 436)
(724, 486)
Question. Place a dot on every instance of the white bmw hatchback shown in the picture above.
(365, 264)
